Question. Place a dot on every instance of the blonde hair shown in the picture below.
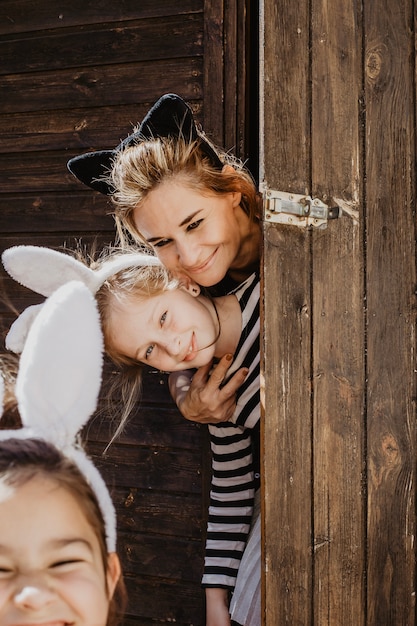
(140, 168)
(129, 284)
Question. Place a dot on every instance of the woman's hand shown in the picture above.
(217, 607)
(199, 396)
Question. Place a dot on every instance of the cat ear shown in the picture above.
(44, 270)
(60, 368)
(170, 116)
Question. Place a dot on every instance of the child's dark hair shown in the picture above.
(21, 459)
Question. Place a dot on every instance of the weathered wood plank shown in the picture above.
(82, 129)
(112, 85)
(145, 40)
(164, 601)
(150, 467)
(391, 280)
(19, 16)
(140, 553)
(287, 314)
(338, 332)
(85, 211)
(168, 514)
(213, 71)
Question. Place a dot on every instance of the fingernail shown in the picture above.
(229, 357)
(245, 372)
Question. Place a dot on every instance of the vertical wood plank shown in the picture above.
(390, 278)
(213, 79)
(286, 314)
(338, 329)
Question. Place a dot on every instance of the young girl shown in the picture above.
(58, 563)
(197, 207)
(149, 317)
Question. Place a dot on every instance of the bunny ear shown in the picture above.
(44, 270)
(16, 337)
(61, 364)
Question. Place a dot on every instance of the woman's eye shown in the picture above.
(194, 225)
(149, 351)
(163, 318)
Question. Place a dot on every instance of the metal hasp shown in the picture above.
(281, 207)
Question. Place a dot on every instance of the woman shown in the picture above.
(198, 209)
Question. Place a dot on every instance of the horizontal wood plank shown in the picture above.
(110, 85)
(150, 467)
(143, 40)
(20, 16)
(82, 129)
(166, 514)
(166, 601)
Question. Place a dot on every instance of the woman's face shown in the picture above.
(193, 234)
(171, 331)
(51, 568)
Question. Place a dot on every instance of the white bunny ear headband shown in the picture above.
(59, 380)
(44, 270)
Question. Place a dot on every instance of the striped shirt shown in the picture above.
(233, 473)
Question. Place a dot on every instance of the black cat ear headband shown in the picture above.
(170, 116)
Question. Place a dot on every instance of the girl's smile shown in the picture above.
(173, 330)
(51, 568)
(170, 331)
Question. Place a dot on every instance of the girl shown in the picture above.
(198, 209)
(148, 317)
(58, 563)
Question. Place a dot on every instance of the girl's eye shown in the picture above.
(161, 243)
(163, 318)
(149, 352)
(66, 562)
(194, 225)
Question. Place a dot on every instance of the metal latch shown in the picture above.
(290, 208)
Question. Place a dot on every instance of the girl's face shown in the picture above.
(171, 331)
(196, 235)
(51, 569)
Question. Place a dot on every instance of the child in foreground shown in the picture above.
(58, 563)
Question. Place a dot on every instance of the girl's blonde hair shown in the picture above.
(140, 168)
(131, 283)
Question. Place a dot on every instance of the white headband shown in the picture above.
(59, 381)
(44, 270)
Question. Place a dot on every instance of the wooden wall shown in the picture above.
(76, 75)
(339, 96)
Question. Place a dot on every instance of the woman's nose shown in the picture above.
(187, 254)
(33, 596)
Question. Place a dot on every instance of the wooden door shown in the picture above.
(338, 122)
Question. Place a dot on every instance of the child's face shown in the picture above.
(51, 569)
(192, 234)
(172, 331)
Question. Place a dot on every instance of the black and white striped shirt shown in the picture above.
(234, 476)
